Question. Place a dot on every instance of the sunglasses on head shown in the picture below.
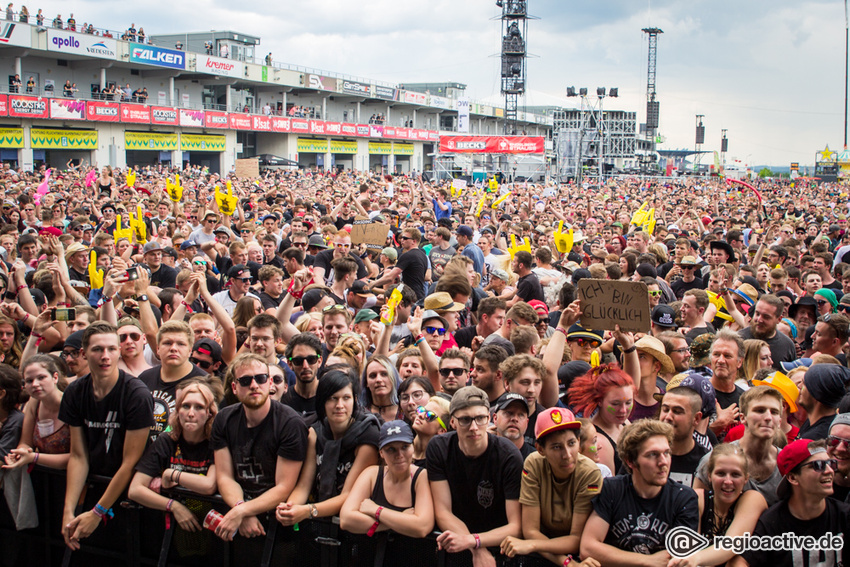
(202, 364)
(430, 416)
(446, 372)
(299, 360)
(245, 381)
(334, 307)
(820, 466)
(435, 330)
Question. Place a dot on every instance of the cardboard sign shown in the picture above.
(373, 234)
(606, 303)
(248, 168)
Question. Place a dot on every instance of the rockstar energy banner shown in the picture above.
(150, 141)
(308, 146)
(11, 137)
(201, 143)
(63, 139)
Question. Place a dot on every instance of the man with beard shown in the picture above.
(726, 357)
(72, 354)
(322, 270)
(511, 421)
(766, 316)
(824, 385)
(454, 371)
(259, 447)
(616, 533)
(412, 264)
(240, 285)
(485, 373)
(304, 353)
(680, 407)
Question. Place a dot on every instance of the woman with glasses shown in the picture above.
(432, 419)
(826, 301)
(379, 385)
(44, 438)
(341, 444)
(392, 504)
(414, 391)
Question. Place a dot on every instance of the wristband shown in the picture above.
(169, 504)
(103, 513)
(178, 479)
(630, 350)
(561, 330)
(238, 503)
(419, 338)
(106, 299)
(20, 287)
(477, 541)
(296, 294)
(568, 560)
(34, 334)
(378, 513)
(187, 306)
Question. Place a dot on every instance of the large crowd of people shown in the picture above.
(435, 390)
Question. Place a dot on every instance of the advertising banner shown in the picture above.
(280, 124)
(11, 137)
(333, 128)
(343, 147)
(308, 146)
(348, 129)
(363, 130)
(215, 119)
(64, 41)
(28, 106)
(156, 141)
(441, 102)
(201, 143)
(151, 55)
(415, 98)
(402, 149)
(352, 87)
(67, 109)
(135, 113)
(219, 66)
(376, 131)
(300, 125)
(192, 118)
(239, 121)
(163, 115)
(492, 144)
(385, 93)
(261, 123)
(317, 127)
(4, 105)
(319, 82)
(19, 35)
(42, 138)
(463, 115)
(103, 111)
(380, 148)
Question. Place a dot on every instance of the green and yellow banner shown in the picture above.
(343, 147)
(201, 143)
(402, 149)
(380, 148)
(309, 146)
(11, 137)
(42, 138)
(150, 141)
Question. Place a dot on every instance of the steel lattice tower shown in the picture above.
(514, 53)
(651, 103)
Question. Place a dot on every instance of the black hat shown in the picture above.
(75, 340)
(663, 316)
(725, 246)
(805, 301)
(210, 347)
(509, 398)
(239, 271)
(312, 297)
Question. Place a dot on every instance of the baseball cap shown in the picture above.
(663, 316)
(790, 457)
(390, 253)
(554, 419)
(393, 431)
(312, 297)
(265, 217)
(316, 241)
(500, 274)
(510, 398)
(539, 306)
(359, 287)
(151, 247)
(464, 230)
(239, 271)
(188, 244)
(365, 315)
(210, 347)
(124, 321)
(467, 397)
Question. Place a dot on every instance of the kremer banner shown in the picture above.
(219, 66)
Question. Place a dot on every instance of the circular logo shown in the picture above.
(682, 542)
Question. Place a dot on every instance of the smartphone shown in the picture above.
(63, 314)
(132, 273)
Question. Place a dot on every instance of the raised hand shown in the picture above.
(563, 242)
(95, 275)
(226, 202)
(513, 248)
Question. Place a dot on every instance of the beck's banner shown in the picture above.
(155, 141)
(201, 143)
(42, 138)
(492, 145)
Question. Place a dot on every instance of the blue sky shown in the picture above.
(771, 73)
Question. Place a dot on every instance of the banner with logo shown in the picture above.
(28, 106)
(300, 125)
(317, 127)
(164, 115)
(11, 137)
(102, 111)
(4, 105)
(135, 113)
(463, 114)
(201, 143)
(353, 87)
(343, 147)
(376, 131)
(151, 55)
(492, 144)
(402, 149)
(219, 66)
(215, 119)
(64, 41)
(385, 93)
(441, 102)
(67, 109)
(192, 118)
(319, 82)
(239, 121)
(333, 128)
(280, 124)
(155, 141)
(308, 146)
(261, 123)
(42, 138)
(363, 130)
(380, 148)
(348, 129)
(19, 35)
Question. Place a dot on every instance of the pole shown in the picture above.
(846, 65)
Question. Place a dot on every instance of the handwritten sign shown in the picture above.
(373, 234)
(605, 303)
(248, 168)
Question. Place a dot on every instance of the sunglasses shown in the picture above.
(202, 364)
(200, 263)
(834, 441)
(404, 238)
(843, 308)
(430, 416)
(687, 267)
(334, 307)
(446, 372)
(299, 360)
(821, 302)
(590, 342)
(435, 330)
(300, 244)
(245, 381)
(820, 466)
(132, 336)
(246, 280)
(245, 230)
(655, 293)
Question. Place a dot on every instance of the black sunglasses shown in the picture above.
(299, 360)
(245, 381)
(446, 372)
(202, 364)
(820, 466)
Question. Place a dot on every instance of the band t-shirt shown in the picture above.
(127, 407)
(778, 520)
(164, 395)
(166, 453)
(480, 486)
(306, 407)
(559, 500)
(640, 525)
(254, 450)
(683, 467)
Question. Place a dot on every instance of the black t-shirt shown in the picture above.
(640, 525)
(463, 337)
(166, 453)
(276, 261)
(255, 450)
(78, 276)
(817, 430)
(364, 431)
(782, 348)
(481, 486)
(341, 222)
(679, 287)
(127, 407)
(528, 288)
(306, 407)
(697, 331)
(683, 467)
(164, 277)
(270, 302)
(413, 265)
(164, 395)
(324, 259)
(726, 399)
(778, 520)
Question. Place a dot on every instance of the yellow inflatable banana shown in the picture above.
(500, 200)
(513, 248)
(595, 359)
(226, 202)
(175, 191)
(95, 275)
(122, 233)
(131, 178)
(649, 224)
(481, 204)
(563, 242)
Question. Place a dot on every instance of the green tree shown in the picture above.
(765, 172)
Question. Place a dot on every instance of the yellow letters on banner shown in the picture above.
(226, 202)
(563, 242)
(95, 275)
(500, 200)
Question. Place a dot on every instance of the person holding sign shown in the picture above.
(412, 264)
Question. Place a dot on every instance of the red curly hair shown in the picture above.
(587, 391)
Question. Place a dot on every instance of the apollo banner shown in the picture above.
(492, 145)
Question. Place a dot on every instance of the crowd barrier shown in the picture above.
(138, 536)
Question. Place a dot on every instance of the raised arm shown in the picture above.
(555, 354)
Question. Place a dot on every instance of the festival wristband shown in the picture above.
(477, 541)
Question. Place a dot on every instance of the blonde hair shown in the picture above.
(206, 392)
(303, 322)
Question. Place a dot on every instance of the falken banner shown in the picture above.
(492, 145)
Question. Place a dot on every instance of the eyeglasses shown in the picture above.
(202, 364)
(415, 396)
(681, 350)
(29, 210)
(430, 416)
(589, 342)
(209, 220)
(192, 218)
(299, 360)
(820, 466)
(300, 244)
(834, 441)
(66, 354)
(446, 372)
(687, 267)
(435, 331)
(338, 245)
(200, 262)
(334, 307)
(132, 336)
(245, 280)
(656, 293)
(245, 381)
(466, 421)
